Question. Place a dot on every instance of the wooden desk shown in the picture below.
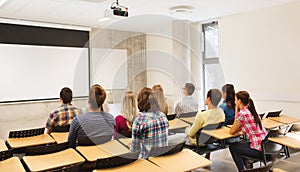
(60, 137)
(12, 164)
(30, 141)
(136, 166)
(2, 146)
(186, 160)
(285, 119)
(177, 123)
(291, 140)
(126, 141)
(53, 160)
(189, 120)
(109, 149)
(270, 124)
(221, 133)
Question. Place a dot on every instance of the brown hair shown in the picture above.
(66, 95)
(247, 101)
(158, 94)
(143, 99)
(215, 96)
(97, 96)
(230, 95)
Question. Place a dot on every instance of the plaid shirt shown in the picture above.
(63, 115)
(187, 104)
(149, 129)
(250, 129)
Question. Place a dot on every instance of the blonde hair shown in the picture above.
(158, 93)
(129, 107)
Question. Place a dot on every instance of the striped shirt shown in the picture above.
(187, 104)
(250, 129)
(61, 116)
(149, 129)
(90, 128)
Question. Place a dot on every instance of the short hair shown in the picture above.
(97, 96)
(190, 88)
(143, 99)
(215, 96)
(66, 95)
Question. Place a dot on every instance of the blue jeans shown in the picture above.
(238, 150)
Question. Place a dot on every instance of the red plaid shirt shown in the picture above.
(250, 129)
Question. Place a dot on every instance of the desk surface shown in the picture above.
(109, 149)
(126, 141)
(285, 119)
(12, 164)
(221, 133)
(136, 166)
(30, 141)
(269, 123)
(60, 137)
(53, 160)
(186, 160)
(291, 140)
(2, 146)
(189, 120)
(177, 123)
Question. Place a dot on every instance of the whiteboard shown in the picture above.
(39, 72)
(109, 68)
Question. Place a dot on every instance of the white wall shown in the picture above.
(260, 52)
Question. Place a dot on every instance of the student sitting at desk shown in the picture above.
(150, 128)
(95, 126)
(228, 104)
(187, 104)
(64, 114)
(129, 112)
(211, 116)
(248, 121)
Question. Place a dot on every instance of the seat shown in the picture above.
(26, 133)
(6, 154)
(171, 116)
(64, 128)
(41, 150)
(166, 150)
(265, 168)
(188, 114)
(117, 161)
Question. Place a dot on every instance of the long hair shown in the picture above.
(129, 107)
(247, 101)
(143, 99)
(228, 89)
(158, 93)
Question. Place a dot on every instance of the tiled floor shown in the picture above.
(222, 162)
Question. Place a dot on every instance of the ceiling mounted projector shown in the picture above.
(116, 10)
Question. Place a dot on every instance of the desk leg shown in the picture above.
(286, 151)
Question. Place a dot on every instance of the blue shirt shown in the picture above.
(229, 113)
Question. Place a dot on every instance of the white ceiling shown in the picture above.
(144, 15)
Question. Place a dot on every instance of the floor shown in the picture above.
(222, 162)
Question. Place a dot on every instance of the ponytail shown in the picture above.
(252, 109)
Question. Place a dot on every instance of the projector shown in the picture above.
(116, 10)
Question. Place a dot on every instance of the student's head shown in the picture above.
(143, 99)
(157, 101)
(188, 89)
(66, 95)
(129, 106)
(158, 88)
(213, 96)
(158, 94)
(97, 96)
(229, 95)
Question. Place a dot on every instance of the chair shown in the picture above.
(117, 161)
(188, 114)
(64, 128)
(70, 168)
(41, 150)
(265, 168)
(274, 114)
(26, 133)
(6, 154)
(171, 116)
(166, 150)
(86, 141)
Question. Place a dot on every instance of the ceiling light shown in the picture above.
(181, 9)
(2, 2)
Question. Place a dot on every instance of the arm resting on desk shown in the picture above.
(236, 127)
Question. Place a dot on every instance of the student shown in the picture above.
(228, 104)
(95, 126)
(150, 128)
(129, 112)
(247, 121)
(64, 114)
(211, 116)
(160, 97)
(187, 104)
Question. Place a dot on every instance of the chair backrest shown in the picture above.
(117, 161)
(166, 150)
(64, 128)
(171, 116)
(70, 168)
(269, 148)
(273, 114)
(40, 150)
(26, 133)
(188, 114)
(202, 138)
(86, 141)
(6, 154)
(265, 168)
